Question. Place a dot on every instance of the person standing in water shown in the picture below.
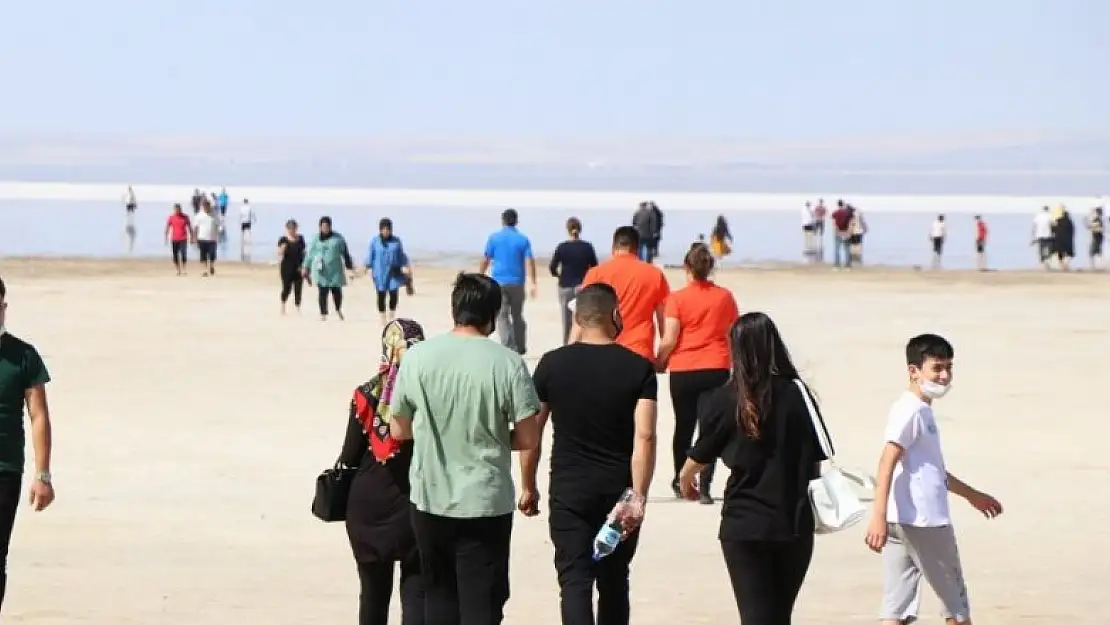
(198, 199)
(720, 239)
(646, 223)
(388, 266)
(570, 262)
(130, 205)
(937, 233)
(246, 221)
(206, 229)
(323, 264)
(23, 380)
(510, 252)
(820, 213)
(1097, 225)
(1043, 236)
(179, 233)
(291, 252)
(1063, 233)
(981, 242)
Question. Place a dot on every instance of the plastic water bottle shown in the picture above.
(609, 536)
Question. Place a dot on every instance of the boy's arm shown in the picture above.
(884, 476)
(984, 503)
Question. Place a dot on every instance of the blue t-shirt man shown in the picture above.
(508, 250)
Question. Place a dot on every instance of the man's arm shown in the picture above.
(39, 412)
(400, 427)
(530, 458)
(643, 446)
(403, 408)
(532, 271)
(984, 503)
(526, 434)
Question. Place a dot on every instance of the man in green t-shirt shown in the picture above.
(467, 403)
(23, 379)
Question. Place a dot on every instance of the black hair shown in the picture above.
(594, 304)
(292, 223)
(925, 346)
(385, 222)
(574, 226)
(3, 289)
(699, 260)
(325, 220)
(475, 300)
(509, 217)
(626, 238)
(758, 356)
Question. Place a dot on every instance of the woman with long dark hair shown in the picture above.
(758, 424)
(378, 509)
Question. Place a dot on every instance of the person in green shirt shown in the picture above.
(23, 379)
(467, 403)
(323, 265)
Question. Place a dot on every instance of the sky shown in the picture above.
(786, 70)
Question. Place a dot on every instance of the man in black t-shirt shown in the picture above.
(600, 397)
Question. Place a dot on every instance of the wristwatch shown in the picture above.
(43, 476)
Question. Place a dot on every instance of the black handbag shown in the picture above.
(333, 486)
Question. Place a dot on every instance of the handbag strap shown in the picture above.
(818, 423)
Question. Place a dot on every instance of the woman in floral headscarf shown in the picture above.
(378, 524)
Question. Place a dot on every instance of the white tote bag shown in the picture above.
(834, 496)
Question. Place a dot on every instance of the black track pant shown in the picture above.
(292, 282)
(10, 489)
(376, 583)
(687, 387)
(391, 295)
(336, 297)
(766, 577)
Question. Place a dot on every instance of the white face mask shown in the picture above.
(932, 390)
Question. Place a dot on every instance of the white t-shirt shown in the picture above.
(1042, 225)
(919, 489)
(207, 226)
(807, 216)
(246, 214)
(937, 231)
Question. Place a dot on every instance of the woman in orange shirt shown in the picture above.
(695, 350)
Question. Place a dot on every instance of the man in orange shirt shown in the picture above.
(642, 291)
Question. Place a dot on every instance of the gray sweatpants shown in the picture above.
(912, 552)
(566, 294)
(511, 328)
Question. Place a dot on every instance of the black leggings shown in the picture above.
(10, 488)
(292, 282)
(392, 300)
(376, 583)
(686, 388)
(766, 577)
(336, 297)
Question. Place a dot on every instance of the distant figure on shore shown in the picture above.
(820, 213)
(246, 221)
(130, 205)
(570, 262)
(937, 232)
(1097, 225)
(981, 242)
(1063, 232)
(857, 228)
(1043, 236)
(389, 267)
(291, 253)
(646, 223)
(842, 223)
(198, 198)
(206, 228)
(323, 264)
(808, 228)
(221, 202)
(510, 253)
(179, 233)
(720, 239)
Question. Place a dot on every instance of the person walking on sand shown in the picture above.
(179, 234)
(646, 222)
(981, 242)
(695, 350)
(246, 222)
(642, 290)
(1043, 236)
(510, 253)
(1096, 223)
(379, 513)
(130, 205)
(937, 232)
(323, 265)
(23, 380)
(389, 267)
(570, 262)
(910, 521)
(601, 399)
(466, 403)
(206, 232)
(1063, 233)
(759, 425)
(291, 252)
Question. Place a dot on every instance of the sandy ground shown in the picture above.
(191, 421)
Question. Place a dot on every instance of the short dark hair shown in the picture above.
(509, 217)
(925, 346)
(574, 225)
(385, 222)
(3, 289)
(475, 300)
(626, 237)
(594, 304)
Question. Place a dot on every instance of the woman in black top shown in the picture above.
(570, 262)
(378, 509)
(758, 424)
(290, 249)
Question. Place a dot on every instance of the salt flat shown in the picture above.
(191, 421)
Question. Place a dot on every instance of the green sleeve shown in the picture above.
(525, 401)
(310, 255)
(34, 369)
(401, 404)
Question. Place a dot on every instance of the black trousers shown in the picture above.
(573, 524)
(687, 387)
(292, 282)
(766, 577)
(180, 250)
(11, 485)
(465, 567)
(336, 297)
(376, 582)
(392, 300)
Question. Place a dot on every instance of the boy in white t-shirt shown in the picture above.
(911, 495)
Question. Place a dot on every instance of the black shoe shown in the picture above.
(705, 499)
(674, 488)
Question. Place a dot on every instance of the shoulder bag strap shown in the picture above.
(818, 424)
